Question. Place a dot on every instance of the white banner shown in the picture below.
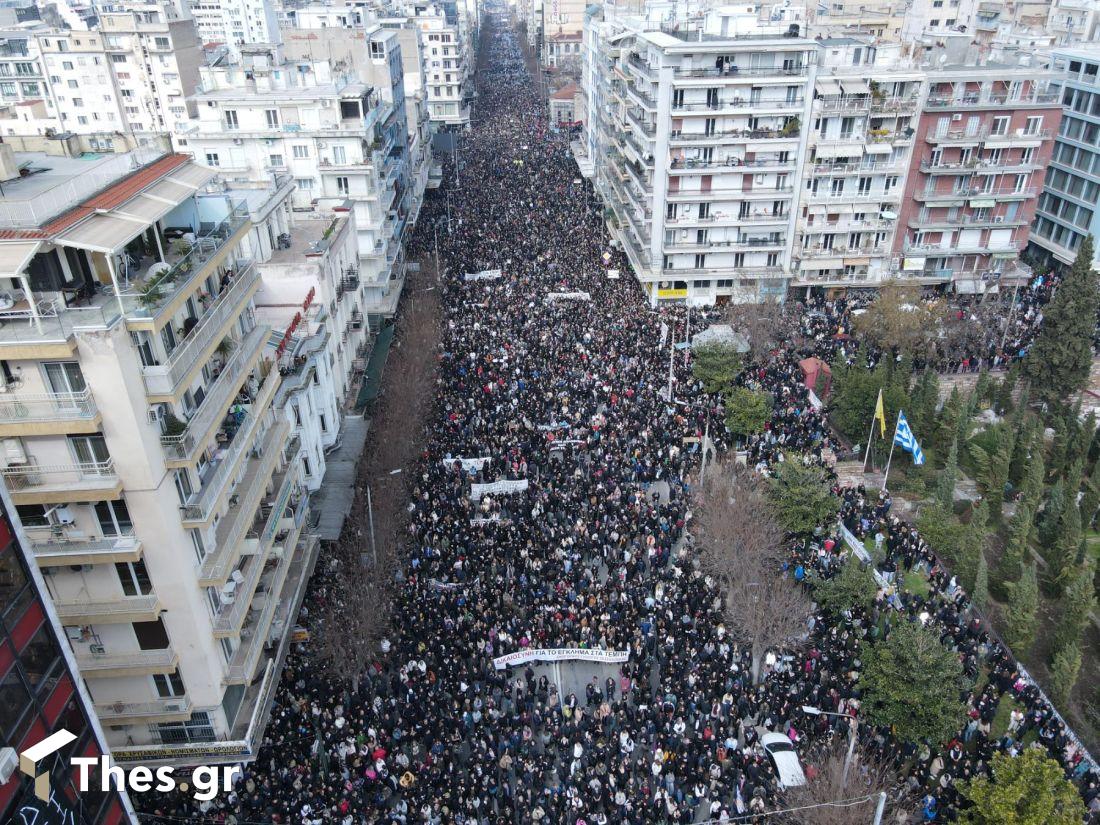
(568, 296)
(560, 654)
(664, 334)
(451, 585)
(484, 275)
(470, 465)
(500, 487)
(856, 546)
(548, 427)
(815, 402)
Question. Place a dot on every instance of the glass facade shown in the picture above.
(37, 698)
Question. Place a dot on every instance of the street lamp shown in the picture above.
(706, 433)
(809, 710)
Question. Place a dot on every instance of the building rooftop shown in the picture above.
(565, 92)
(307, 238)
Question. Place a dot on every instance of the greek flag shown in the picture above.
(904, 438)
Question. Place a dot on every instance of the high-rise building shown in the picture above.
(981, 149)
(43, 696)
(1067, 210)
(866, 98)
(698, 146)
(448, 61)
(160, 489)
(235, 23)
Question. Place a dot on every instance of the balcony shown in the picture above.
(182, 449)
(749, 105)
(723, 219)
(58, 549)
(886, 105)
(202, 504)
(761, 245)
(1000, 193)
(62, 483)
(725, 272)
(730, 193)
(28, 414)
(681, 166)
(977, 167)
(108, 665)
(974, 137)
(734, 72)
(959, 248)
(991, 100)
(136, 713)
(156, 299)
(856, 196)
(164, 380)
(234, 525)
(859, 168)
(732, 135)
(963, 220)
(120, 610)
(843, 104)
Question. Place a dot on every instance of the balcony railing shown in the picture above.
(120, 609)
(121, 713)
(162, 379)
(58, 550)
(740, 102)
(979, 135)
(688, 245)
(730, 163)
(744, 71)
(972, 192)
(201, 504)
(153, 661)
(157, 292)
(18, 408)
(26, 477)
(218, 397)
(747, 134)
(935, 101)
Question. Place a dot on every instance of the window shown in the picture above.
(169, 685)
(118, 58)
(67, 65)
(272, 116)
(1000, 125)
(339, 155)
(197, 729)
(230, 118)
(114, 518)
(31, 90)
(275, 160)
(305, 184)
(151, 635)
(377, 50)
(73, 84)
(342, 185)
(134, 578)
(78, 101)
(324, 424)
(301, 151)
(162, 42)
(1034, 125)
(33, 515)
(211, 158)
(305, 465)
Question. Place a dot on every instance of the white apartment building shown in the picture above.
(337, 137)
(860, 139)
(161, 490)
(447, 64)
(1074, 21)
(937, 17)
(235, 22)
(697, 147)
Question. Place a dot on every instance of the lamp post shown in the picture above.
(706, 434)
(370, 514)
(812, 711)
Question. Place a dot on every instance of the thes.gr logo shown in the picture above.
(29, 759)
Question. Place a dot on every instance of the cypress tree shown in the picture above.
(1022, 611)
(1058, 362)
(1052, 514)
(980, 596)
(1061, 553)
(1064, 672)
(1076, 605)
(1015, 552)
(945, 484)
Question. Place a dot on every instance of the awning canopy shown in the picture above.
(169, 190)
(839, 150)
(145, 208)
(192, 175)
(14, 257)
(828, 86)
(855, 87)
(102, 233)
(372, 380)
(878, 148)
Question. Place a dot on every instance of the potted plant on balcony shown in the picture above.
(225, 346)
(181, 246)
(172, 426)
(150, 294)
(791, 127)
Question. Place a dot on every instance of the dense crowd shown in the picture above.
(566, 392)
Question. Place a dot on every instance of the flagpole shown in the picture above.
(893, 443)
(870, 437)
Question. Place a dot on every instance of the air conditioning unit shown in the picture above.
(62, 515)
(155, 414)
(998, 219)
(238, 141)
(228, 598)
(13, 452)
(97, 650)
(955, 118)
(237, 576)
(321, 144)
(278, 552)
(246, 632)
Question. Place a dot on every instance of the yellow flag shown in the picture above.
(880, 414)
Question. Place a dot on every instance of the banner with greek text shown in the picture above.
(470, 465)
(484, 275)
(568, 296)
(560, 654)
(498, 487)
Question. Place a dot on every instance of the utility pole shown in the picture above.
(671, 362)
(880, 808)
(370, 518)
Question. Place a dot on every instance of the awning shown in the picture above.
(14, 257)
(828, 86)
(878, 148)
(144, 208)
(839, 150)
(169, 190)
(372, 380)
(862, 261)
(824, 263)
(855, 87)
(193, 175)
(102, 233)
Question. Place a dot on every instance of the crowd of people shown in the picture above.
(553, 389)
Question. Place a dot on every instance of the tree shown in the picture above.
(1022, 611)
(1077, 604)
(867, 776)
(992, 462)
(716, 366)
(1061, 553)
(802, 495)
(980, 596)
(911, 682)
(1016, 549)
(972, 547)
(747, 411)
(1058, 362)
(854, 586)
(1032, 490)
(1029, 789)
(741, 547)
(1053, 511)
(945, 533)
(1064, 671)
(1090, 501)
(924, 399)
(945, 483)
(899, 320)
(769, 326)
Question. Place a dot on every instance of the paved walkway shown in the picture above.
(333, 501)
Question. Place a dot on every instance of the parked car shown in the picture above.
(782, 751)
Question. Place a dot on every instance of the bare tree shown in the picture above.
(353, 621)
(829, 782)
(742, 544)
(770, 326)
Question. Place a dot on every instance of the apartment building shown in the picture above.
(697, 149)
(561, 26)
(982, 145)
(159, 487)
(866, 97)
(1067, 209)
(881, 18)
(235, 22)
(448, 65)
(43, 695)
(343, 143)
(320, 338)
(1070, 22)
